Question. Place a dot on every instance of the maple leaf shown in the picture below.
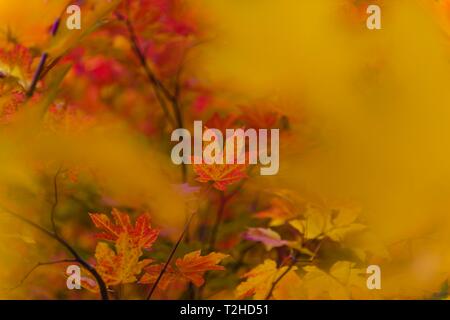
(259, 116)
(193, 266)
(221, 123)
(284, 206)
(290, 287)
(342, 281)
(122, 265)
(335, 223)
(152, 273)
(141, 235)
(278, 213)
(268, 237)
(260, 280)
(221, 175)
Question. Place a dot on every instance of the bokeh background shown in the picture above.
(364, 116)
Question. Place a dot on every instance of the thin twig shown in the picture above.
(55, 201)
(291, 265)
(274, 284)
(37, 265)
(64, 243)
(40, 69)
(157, 86)
(37, 75)
(161, 92)
(223, 202)
(219, 216)
(72, 251)
(169, 259)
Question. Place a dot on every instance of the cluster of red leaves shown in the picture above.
(15, 62)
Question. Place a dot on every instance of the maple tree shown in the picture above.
(86, 177)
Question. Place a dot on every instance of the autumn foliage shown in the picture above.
(86, 177)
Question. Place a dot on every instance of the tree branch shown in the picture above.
(68, 247)
(40, 69)
(37, 75)
(160, 91)
(65, 244)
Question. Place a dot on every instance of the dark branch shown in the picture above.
(160, 91)
(40, 69)
(72, 251)
(37, 75)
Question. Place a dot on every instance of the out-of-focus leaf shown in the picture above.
(268, 237)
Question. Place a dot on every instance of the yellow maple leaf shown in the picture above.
(342, 281)
(290, 287)
(335, 222)
(260, 280)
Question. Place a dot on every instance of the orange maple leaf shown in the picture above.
(141, 235)
(221, 175)
(193, 266)
(152, 273)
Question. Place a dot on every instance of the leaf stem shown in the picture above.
(55, 201)
(291, 265)
(219, 217)
(169, 259)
